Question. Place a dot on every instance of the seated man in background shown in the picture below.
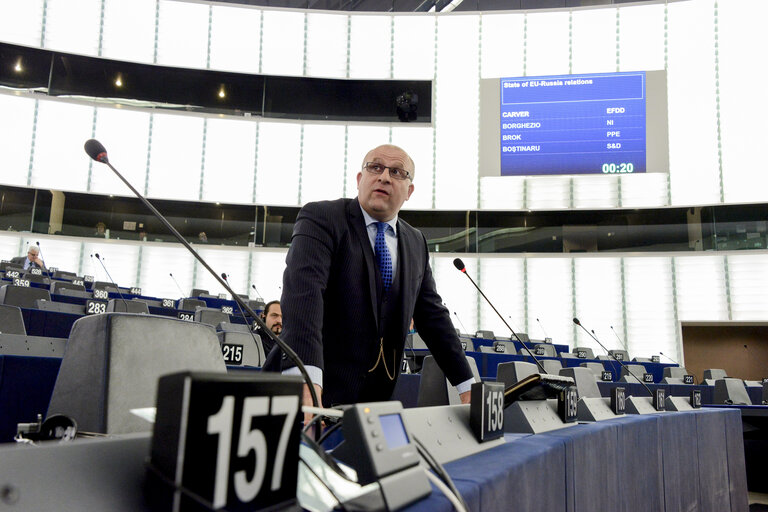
(273, 317)
(31, 260)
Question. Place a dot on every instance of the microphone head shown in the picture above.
(459, 264)
(97, 255)
(38, 244)
(576, 321)
(96, 150)
(224, 276)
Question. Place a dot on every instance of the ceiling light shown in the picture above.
(18, 68)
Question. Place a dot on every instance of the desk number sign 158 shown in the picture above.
(225, 442)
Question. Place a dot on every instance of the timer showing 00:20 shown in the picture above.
(622, 168)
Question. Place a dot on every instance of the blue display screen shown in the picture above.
(394, 430)
(573, 124)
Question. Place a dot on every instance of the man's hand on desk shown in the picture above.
(306, 399)
(465, 397)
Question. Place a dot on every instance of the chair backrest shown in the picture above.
(190, 304)
(127, 306)
(730, 391)
(36, 278)
(253, 350)
(715, 373)
(508, 347)
(11, 320)
(589, 352)
(104, 285)
(197, 292)
(620, 354)
(113, 361)
(566, 355)
(60, 307)
(596, 368)
(586, 382)
(486, 335)
(59, 286)
(632, 373)
(434, 388)
(63, 274)
(210, 316)
(548, 348)
(233, 327)
(677, 372)
(22, 296)
(514, 371)
(552, 366)
(486, 349)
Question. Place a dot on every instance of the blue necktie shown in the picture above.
(383, 257)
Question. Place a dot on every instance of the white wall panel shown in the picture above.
(503, 282)
(595, 191)
(550, 297)
(16, 138)
(550, 193)
(748, 279)
(327, 45)
(414, 47)
(182, 38)
(230, 147)
(277, 180)
(370, 46)
(175, 157)
(129, 30)
(502, 45)
(73, 26)
(417, 142)
(267, 268)
(119, 261)
(282, 52)
(235, 42)
(457, 292)
(547, 45)
(641, 37)
(594, 41)
(21, 22)
(232, 262)
(502, 193)
(599, 302)
(322, 168)
(700, 284)
(125, 135)
(158, 262)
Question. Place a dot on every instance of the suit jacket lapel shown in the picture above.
(406, 268)
(357, 222)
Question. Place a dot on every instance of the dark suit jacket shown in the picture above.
(330, 302)
(20, 260)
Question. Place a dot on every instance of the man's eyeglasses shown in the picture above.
(394, 172)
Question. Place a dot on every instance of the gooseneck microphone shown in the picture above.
(177, 285)
(542, 329)
(258, 295)
(460, 322)
(460, 266)
(40, 255)
(576, 321)
(96, 150)
(665, 355)
(111, 280)
(620, 340)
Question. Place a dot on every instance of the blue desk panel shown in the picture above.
(26, 385)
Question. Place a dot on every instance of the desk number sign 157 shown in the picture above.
(225, 442)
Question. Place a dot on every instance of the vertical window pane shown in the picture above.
(158, 261)
(73, 27)
(502, 193)
(175, 157)
(595, 191)
(322, 171)
(741, 26)
(182, 38)
(549, 297)
(547, 43)
(641, 43)
(235, 44)
(60, 162)
(231, 261)
(502, 45)
(695, 177)
(277, 179)
(748, 278)
(230, 148)
(651, 189)
(267, 267)
(549, 193)
(360, 140)
(414, 47)
(283, 40)
(120, 260)
(125, 134)
(417, 142)
(599, 304)
(369, 46)
(457, 292)
(129, 30)
(457, 107)
(502, 280)
(327, 45)
(700, 283)
(16, 137)
(59, 252)
(21, 22)
(594, 40)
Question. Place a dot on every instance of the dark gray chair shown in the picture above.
(127, 306)
(486, 335)
(210, 316)
(628, 370)
(730, 391)
(59, 307)
(590, 353)
(253, 350)
(586, 383)
(514, 371)
(11, 320)
(22, 296)
(551, 366)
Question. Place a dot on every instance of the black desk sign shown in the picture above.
(24, 283)
(568, 404)
(463, 345)
(648, 378)
(12, 274)
(233, 354)
(51, 270)
(36, 271)
(687, 379)
(618, 356)
(189, 317)
(168, 303)
(95, 307)
(225, 441)
(618, 400)
(581, 354)
(486, 410)
(658, 400)
(227, 310)
(655, 359)
(88, 279)
(135, 290)
(539, 351)
(606, 376)
(500, 348)
(696, 398)
(100, 294)
(78, 282)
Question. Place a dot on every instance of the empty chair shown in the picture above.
(621, 355)
(566, 355)
(765, 393)
(434, 388)
(103, 285)
(588, 351)
(253, 350)
(730, 391)
(233, 327)
(60, 307)
(676, 372)
(210, 316)
(544, 349)
(487, 350)
(58, 286)
(504, 347)
(63, 274)
(596, 368)
(190, 304)
(113, 361)
(36, 278)
(552, 366)
(7, 265)
(198, 292)
(632, 373)
(603, 357)
(586, 382)
(713, 374)
(22, 296)
(486, 335)
(127, 306)
(642, 360)
(11, 320)
(514, 371)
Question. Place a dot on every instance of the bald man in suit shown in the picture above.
(356, 275)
